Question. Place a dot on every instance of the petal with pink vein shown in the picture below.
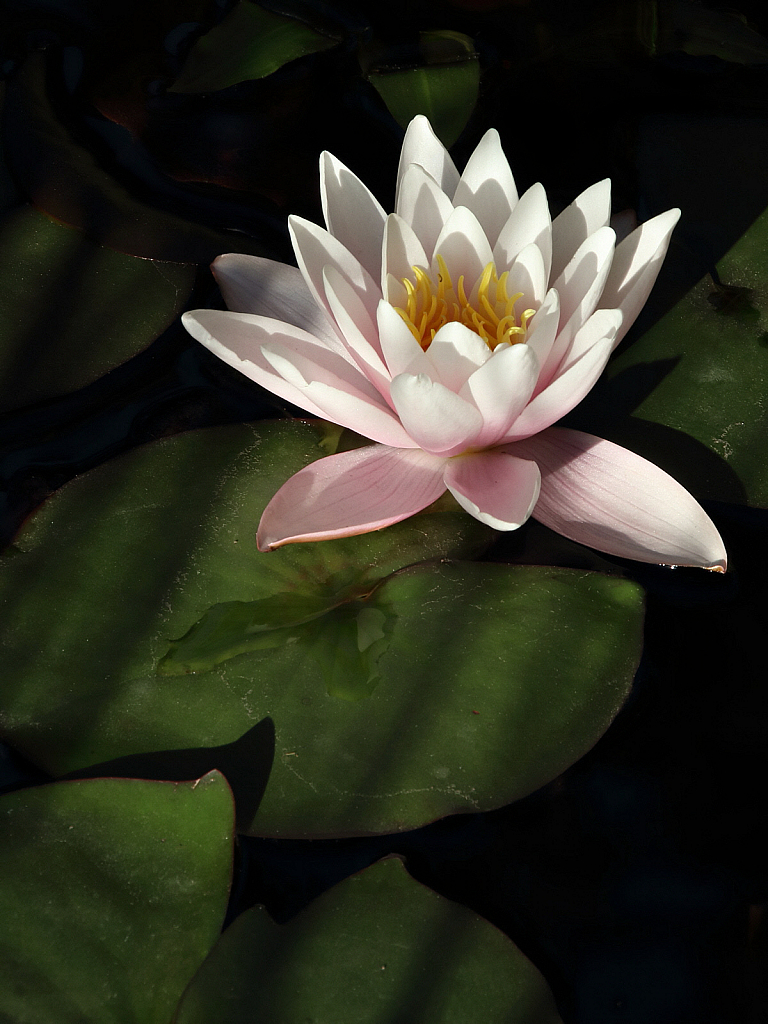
(495, 487)
(608, 498)
(351, 493)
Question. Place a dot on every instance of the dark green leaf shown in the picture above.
(249, 43)
(377, 947)
(112, 891)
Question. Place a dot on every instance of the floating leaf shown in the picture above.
(445, 88)
(711, 351)
(376, 947)
(112, 891)
(69, 306)
(480, 683)
(249, 43)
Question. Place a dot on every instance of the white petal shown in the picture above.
(402, 250)
(587, 213)
(501, 390)
(528, 222)
(252, 284)
(529, 276)
(402, 353)
(424, 206)
(436, 418)
(421, 146)
(542, 328)
(359, 330)
(456, 352)
(635, 267)
(497, 488)
(464, 247)
(487, 187)
(317, 248)
(602, 495)
(352, 213)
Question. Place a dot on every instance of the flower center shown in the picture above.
(490, 313)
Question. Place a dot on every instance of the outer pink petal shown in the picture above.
(421, 146)
(352, 213)
(351, 493)
(635, 267)
(487, 187)
(494, 487)
(252, 284)
(436, 418)
(604, 496)
(589, 212)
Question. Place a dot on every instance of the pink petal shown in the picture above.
(423, 205)
(351, 493)
(635, 267)
(421, 146)
(436, 418)
(494, 487)
(589, 212)
(317, 248)
(595, 342)
(464, 247)
(501, 389)
(352, 213)
(528, 222)
(487, 187)
(252, 284)
(606, 497)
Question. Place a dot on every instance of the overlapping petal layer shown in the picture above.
(454, 333)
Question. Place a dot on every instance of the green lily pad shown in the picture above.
(420, 691)
(377, 947)
(249, 43)
(70, 309)
(112, 892)
(444, 89)
(711, 354)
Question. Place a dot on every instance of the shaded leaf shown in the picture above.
(71, 309)
(249, 43)
(112, 891)
(376, 947)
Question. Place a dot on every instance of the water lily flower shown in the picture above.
(454, 333)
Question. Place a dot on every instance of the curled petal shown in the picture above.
(252, 284)
(487, 186)
(352, 213)
(606, 497)
(501, 389)
(456, 352)
(436, 418)
(351, 493)
(589, 212)
(495, 487)
(421, 146)
(635, 267)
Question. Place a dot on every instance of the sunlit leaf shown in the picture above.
(422, 691)
(377, 947)
(112, 891)
(249, 43)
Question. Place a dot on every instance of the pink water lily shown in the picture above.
(454, 333)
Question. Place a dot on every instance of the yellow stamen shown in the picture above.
(430, 305)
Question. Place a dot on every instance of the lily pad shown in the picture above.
(112, 892)
(706, 362)
(377, 947)
(249, 43)
(420, 692)
(70, 309)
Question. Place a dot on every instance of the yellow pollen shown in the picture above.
(489, 313)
